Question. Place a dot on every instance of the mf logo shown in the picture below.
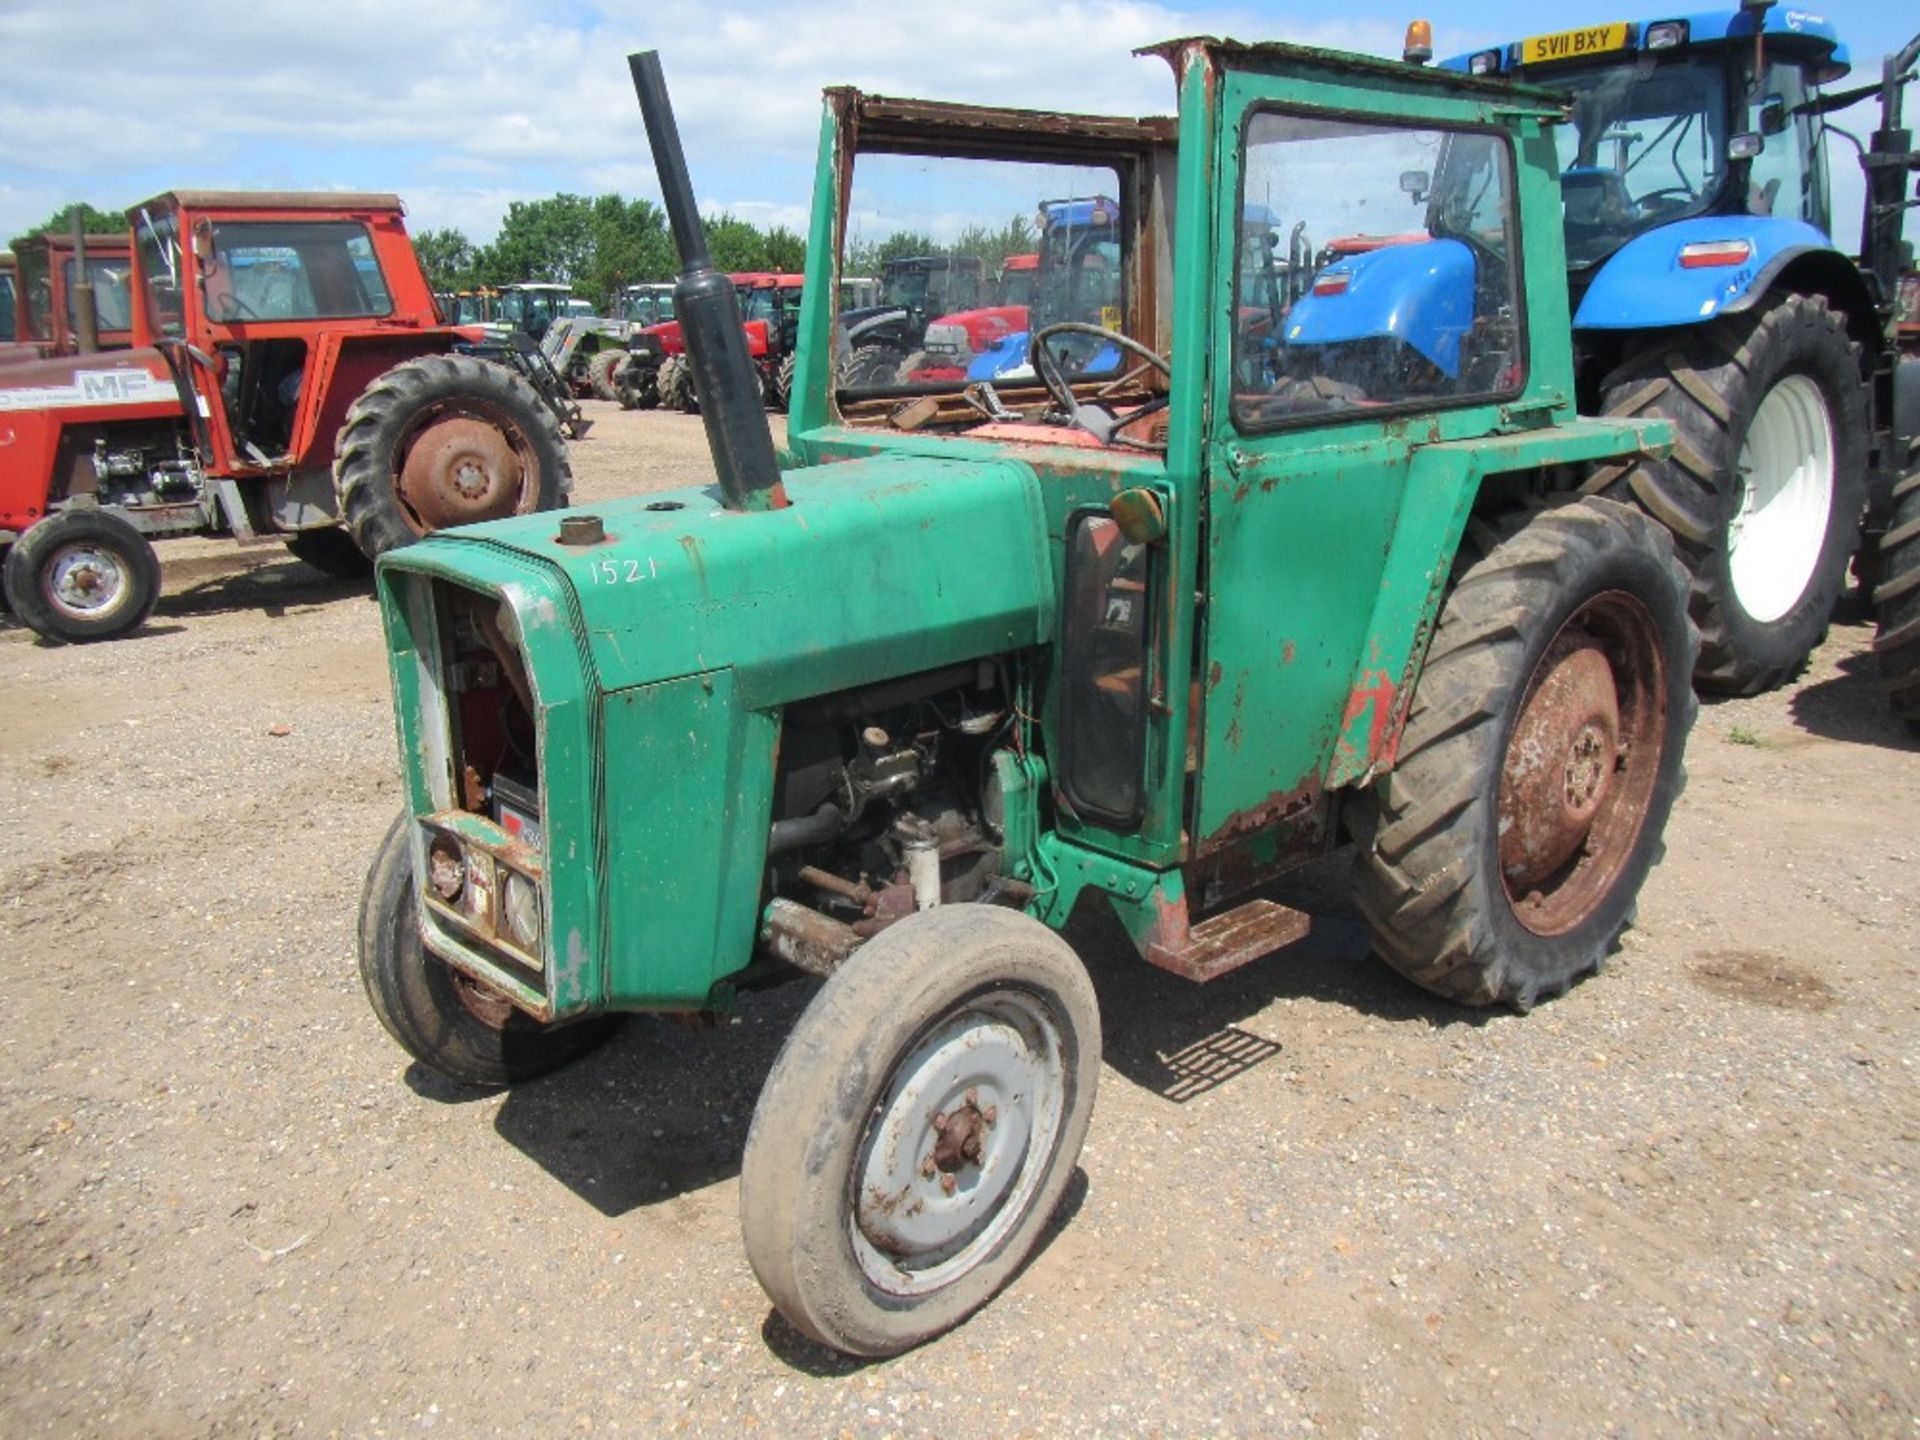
(107, 386)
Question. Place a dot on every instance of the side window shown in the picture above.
(1394, 285)
(1779, 180)
(295, 270)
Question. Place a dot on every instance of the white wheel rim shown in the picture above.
(1783, 499)
(85, 581)
(915, 1226)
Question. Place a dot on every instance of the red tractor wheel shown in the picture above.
(445, 440)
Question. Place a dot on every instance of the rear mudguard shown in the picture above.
(1643, 285)
(1420, 295)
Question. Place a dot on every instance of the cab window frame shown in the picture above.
(1505, 148)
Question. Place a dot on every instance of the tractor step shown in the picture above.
(1231, 939)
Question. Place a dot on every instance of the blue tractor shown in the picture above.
(1706, 289)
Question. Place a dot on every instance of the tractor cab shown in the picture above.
(44, 311)
(1712, 114)
(645, 305)
(531, 308)
(252, 294)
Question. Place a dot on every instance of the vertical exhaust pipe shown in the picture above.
(709, 316)
(86, 317)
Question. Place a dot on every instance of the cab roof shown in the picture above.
(319, 200)
(1791, 32)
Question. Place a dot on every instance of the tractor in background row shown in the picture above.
(1708, 290)
(287, 375)
(46, 315)
(881, 343)
(8, 326)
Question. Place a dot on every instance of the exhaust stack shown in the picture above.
(709, 315)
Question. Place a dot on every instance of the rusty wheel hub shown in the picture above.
(461, 469)
(1578, 774)
(957, 1145)
(489, 1006)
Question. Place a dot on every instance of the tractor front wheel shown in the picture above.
(445, 440)
(458, 1026)
(1896, 596)
(919, 1127)
(1540, 760)
(82, 575)
(600, 373)
(783, 382)
(675, 384)
(1763, 490)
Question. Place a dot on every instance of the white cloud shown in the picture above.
(406, 97)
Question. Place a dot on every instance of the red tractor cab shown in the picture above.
(45, 321)
(287, 375)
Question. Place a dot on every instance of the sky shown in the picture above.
(462, 106)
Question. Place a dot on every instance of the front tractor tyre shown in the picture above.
(82, 575)
(1764, 487)
(783, 382)
(1539, 763)
(460, 1027)
(445, 440)
(920, 1127)
(1896, 598)
(675, 384)
(600, 373)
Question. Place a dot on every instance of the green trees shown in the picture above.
(597, 245)
(97, 222)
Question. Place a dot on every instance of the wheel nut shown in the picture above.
(939, 1119)
(973, 1099)
(990, 1114)
(948, 1184)
(927, 1167)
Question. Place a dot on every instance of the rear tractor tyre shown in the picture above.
(445, 440)
(783, 382)
(1539, 763)
(1764, 488)
(1896, 641)
(870, 367)
(459, 1027)
(675, 384)
(919, 1127)
(600, 373)
(332, 551)
(82, 575)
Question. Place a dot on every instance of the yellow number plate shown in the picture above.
(1574, 44)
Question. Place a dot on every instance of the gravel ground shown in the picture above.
(1314, 1200)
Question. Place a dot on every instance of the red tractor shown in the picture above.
(288, 375)
(656, 371)
(44, 317)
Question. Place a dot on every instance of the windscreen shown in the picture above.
(268, 270)
(935, 233)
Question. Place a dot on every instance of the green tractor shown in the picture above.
(884, 709)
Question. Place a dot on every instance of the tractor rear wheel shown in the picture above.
(1539, 763)
(1764, 488)
(919, 1127)
(783, 382)
(330, 550)
(82, 575)
(450, 1023)
(675, 384)
(1896, 642)
(445, 440)
(600, 373)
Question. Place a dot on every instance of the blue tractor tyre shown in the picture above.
(1766, 482)
(1896, 641)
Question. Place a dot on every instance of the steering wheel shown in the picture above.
(1675, 194)
(1094, 420)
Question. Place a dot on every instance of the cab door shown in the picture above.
(1322, 529)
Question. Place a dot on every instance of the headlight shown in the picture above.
(520, 911)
